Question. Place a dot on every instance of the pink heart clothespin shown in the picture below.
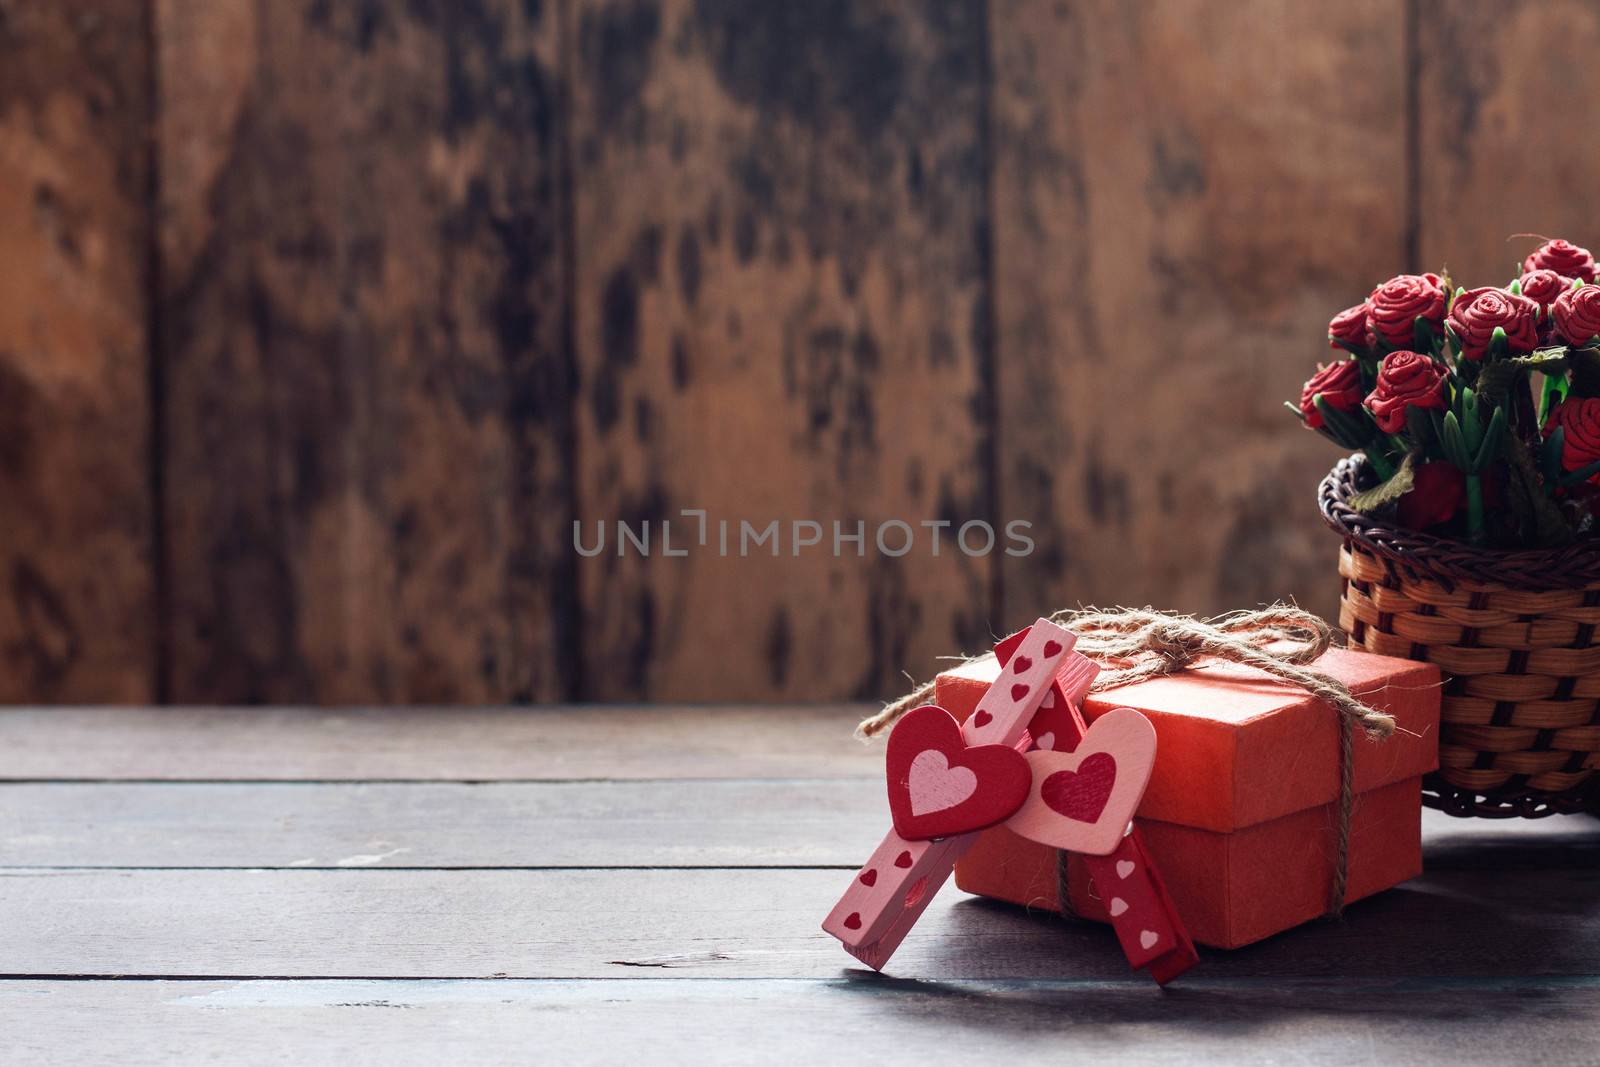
(892, 890)
(1082, 786)
(1121, 870)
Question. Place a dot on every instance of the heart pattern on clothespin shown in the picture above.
(939, 786)
(1083, 800)
(953, 772)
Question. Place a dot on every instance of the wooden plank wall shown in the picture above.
(786, 320)
(1174, 234)
(78, 519)
(322, 321)
(362, 341)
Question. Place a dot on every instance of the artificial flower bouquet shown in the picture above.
(1478, 410)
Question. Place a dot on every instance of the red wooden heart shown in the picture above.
(1021, 664)
(1018, 691)
(1051, 648)
(982, 718)
(940, 787)
(1081, 794)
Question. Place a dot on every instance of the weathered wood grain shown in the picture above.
(1185, 193)
(77, 600)
(717, 923)
(810, 823)
(450, 744)
(781, 314)
(1489, 1021)
(362, 335)
(814, 822)
(1502, 95)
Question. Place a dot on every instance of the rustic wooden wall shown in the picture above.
(1186, 192)
(361, 335)
(782, 313)
(322, 320)
(1506, 101)
(77, 513)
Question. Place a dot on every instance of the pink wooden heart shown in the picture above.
(1083, 800)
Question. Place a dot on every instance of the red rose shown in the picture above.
(1394, 307)
(1478, 311)
(1579, 416)
(1405, 379)
(1543, 286)
(1340, 386)
(1577, 314)
(1349, 327)
(1439, 492)
(1563, 257)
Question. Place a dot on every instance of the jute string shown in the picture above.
(1135, 644)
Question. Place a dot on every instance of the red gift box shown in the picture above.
(1241, 812)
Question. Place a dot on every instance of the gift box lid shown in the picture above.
(1236, 747)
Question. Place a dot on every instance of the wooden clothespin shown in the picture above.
(1124, 875)
(948, 783)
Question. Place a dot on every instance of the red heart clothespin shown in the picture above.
(948, 782)
(892, 890)
(940, 786)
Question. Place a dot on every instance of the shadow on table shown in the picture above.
(1506, 929)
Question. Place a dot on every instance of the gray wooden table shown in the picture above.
(633, 885)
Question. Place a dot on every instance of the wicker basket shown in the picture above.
(1514, 634)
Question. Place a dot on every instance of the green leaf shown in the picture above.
(1582, 474)
(1552, 392)
(1452, 444)
(1422, 335)
(1550, 455)
(1492, 436)
(1349, 429)
(1453, 341)
(1396, 487)
(1471, 422)
(1498, 344)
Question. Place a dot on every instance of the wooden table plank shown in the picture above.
(686, 823)
(427, 743)
(715, 923)
(864, 1020)
(815, 822)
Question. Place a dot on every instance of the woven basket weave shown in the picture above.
(1514, 634)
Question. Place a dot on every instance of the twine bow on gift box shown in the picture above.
(1136, 644)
